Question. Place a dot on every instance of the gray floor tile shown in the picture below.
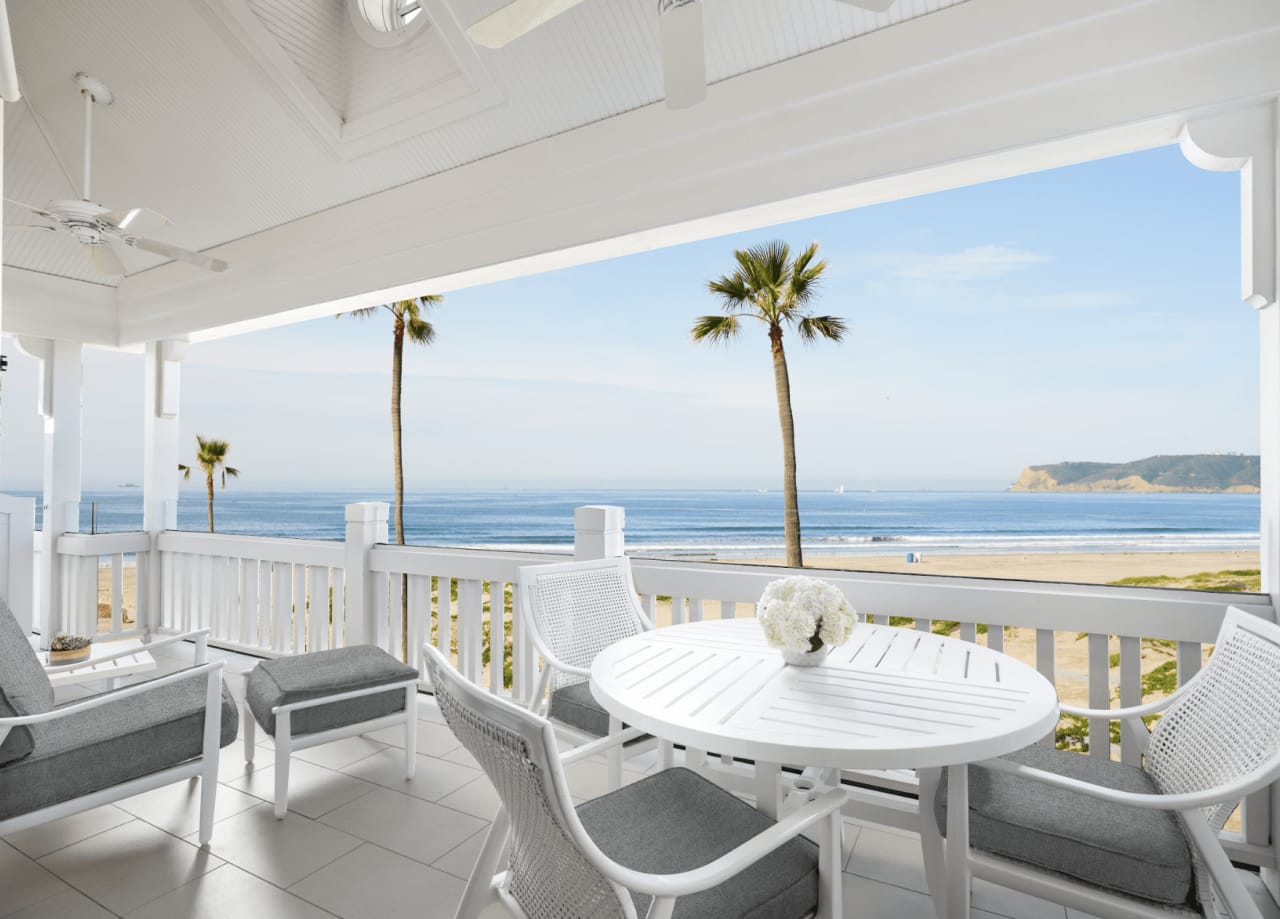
(372, 881)
(339, 753)
(893, 858)
(225, 892)
(129, 865)
(24, 882)
(313, 790)
(49, 837)
(280, 851)
(459, 860)
(70, 904)
(175, 808)
(433, 778)
(411, 827)
(476, 798)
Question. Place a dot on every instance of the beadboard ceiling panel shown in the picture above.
(204, 134)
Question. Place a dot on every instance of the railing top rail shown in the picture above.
(85, 544)
(473, 564)
(1183, 615)
(329, 553)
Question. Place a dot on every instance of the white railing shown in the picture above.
(281, 596)
(262, 595)
(84, 561)
(460, 601)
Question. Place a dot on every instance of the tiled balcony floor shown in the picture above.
(358, 842)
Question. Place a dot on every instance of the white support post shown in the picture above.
(366, 528)
(162, 380)
(1248, 141)
(597, 531)
(61, 404)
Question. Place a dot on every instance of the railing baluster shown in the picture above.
(524, 662)
(969, 632)
(216, 592)
(444, 616)
(1189, 655)
(677, 610)
(249, 601)
(299, 608)
(497, 637)
(338, 614)
(1099, 695)
(234, 609)
(396, 609)
(419, 617)
(649, 603)
(281, 604)
(922, 625)
(995, 636)
(728, 609)
(470, 629)
(1045, 664)
(380, 612)
(695, 610)
(317, 608)
(117, 592)
(265, 608)
(1130, 694)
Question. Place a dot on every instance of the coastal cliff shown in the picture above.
(1203, 472)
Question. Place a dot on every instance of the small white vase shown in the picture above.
(806, 658)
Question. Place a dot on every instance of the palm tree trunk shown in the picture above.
(791, 504)
(208, 480)
(397, 362)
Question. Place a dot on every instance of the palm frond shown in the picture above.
(812, 328)
(733, 290)
(185, 470)
(364, 313)
(715, 328)
(805, 275)
(420, 331)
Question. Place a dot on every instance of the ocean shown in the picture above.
(739, 524)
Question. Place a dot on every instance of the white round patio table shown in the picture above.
(889, 698)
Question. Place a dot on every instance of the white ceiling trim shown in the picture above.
(947, 90)
(469, 93)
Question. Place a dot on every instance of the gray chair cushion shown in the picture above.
(24, 686)
(326, 673)
(1128, 850)
(676, 821)
(114, 743)
(575, 706)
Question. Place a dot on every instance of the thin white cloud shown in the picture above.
(976, 263)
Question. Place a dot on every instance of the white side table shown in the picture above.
(108, 660)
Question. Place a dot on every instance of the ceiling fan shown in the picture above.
(680, 34)
(94, 226)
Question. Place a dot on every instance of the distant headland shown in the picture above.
(1200, 472)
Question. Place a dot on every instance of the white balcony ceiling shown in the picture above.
(328, 172)
(211, 140)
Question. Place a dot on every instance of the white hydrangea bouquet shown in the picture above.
(805, 618)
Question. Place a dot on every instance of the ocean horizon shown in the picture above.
(739, 523)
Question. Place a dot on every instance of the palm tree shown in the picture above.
(211, 456)
(769, 286)
(407, 323)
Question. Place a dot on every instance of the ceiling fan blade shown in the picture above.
(31, 207)
(684, 65)
(135, 218)
(515, 19)
(874, 6)
(8, 227)
(174, 252)
(105, 260)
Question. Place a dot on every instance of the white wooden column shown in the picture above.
(60, 402)
(366, 528)
(162, 382)
(1248, 140)
(597, 531)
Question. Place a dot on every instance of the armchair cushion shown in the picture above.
(24, 686)
(676, 820)
(576, 706)
(111, 744)
(303, 677)
(1126, 850)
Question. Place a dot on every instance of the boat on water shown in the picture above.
(839, 489)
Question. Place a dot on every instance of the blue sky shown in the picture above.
(1087, 313)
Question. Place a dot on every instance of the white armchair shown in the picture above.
(1036, 816)
(58, 760)
(573, 611)
(670, 845)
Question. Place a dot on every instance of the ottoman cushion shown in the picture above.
(303, 677)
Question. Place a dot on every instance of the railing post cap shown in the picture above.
(598, 517)
(368, 512)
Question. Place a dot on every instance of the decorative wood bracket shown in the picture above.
(1246, 140)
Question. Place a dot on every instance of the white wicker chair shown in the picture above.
(573, 611)
(669, 846)
(1218, 741)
